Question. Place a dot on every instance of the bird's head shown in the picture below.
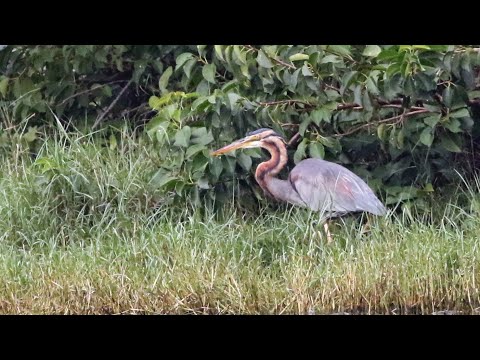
(253, 139)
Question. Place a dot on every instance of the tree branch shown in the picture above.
(397, 117)
(102, 115)
(294, 139)
(89, 90)
(283, 102)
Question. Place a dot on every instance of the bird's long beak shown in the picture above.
(239, 144)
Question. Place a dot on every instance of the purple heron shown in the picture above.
(317, 184)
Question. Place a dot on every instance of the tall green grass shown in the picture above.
(83, 231)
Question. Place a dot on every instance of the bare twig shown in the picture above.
(294, 139)
(102, 115)
(90, 90)
(126, 112)
(289, 125)
(331, 87)
(349, 106)
(283, 102)
(354, 106)
(397, 117)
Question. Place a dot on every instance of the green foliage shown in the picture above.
(80, 82)
(399, 116)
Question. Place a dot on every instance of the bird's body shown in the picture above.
(320, 185)
(338, 190)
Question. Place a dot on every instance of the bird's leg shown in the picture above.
(366, 226)
(317, 233)
(327, 231)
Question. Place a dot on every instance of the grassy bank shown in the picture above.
(81, 231)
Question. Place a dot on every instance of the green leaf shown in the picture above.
(219, 52)
(426, 136)
(112, 141)
(182, 59)
(216, 167)
(428, 188)
(372, 87)
(439, 48)
(263, 60)
(229, 86)
(244, 71)
(320, 115)
(233, 99)
(31, 134)
(107, 90)
(432, 120)
(316, 150)
(158, 123)
(465, 62)
(393, 69)
(194, 149)
(245, 161)
(291, 80)
(22, 86)
(453, 125)
(372, 50)
(467, 123)
(347, 80)
(306, 71)
(427, 82)
(229, 164)
(423, 47)
(208, 72)
(182, 137)
(400, 139)
(188, 67)
(357, 95)
(330, 59)
(199, 163)
(460, 113)
(366, 102)
(381, 132)
(212, 99)
(300, 152)
(303, 125)
(202, 183)
(299, 57)
(343, 50)
(161, 178)
(388, 54)
(4, 86)
(153, 102)
(201, 136)
(447, 96)
(163, 82)
(200, 104)
(139, 68)
(201, 49)
(241, 55)
(449, 144)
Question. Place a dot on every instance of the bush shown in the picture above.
(402, 117)
(405, 118)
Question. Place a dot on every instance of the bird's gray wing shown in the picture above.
(331, 188)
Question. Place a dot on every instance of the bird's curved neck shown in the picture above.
(266, 170)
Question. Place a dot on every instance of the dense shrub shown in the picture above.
(405, 118)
